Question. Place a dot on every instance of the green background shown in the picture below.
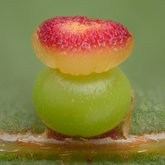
(144, 68)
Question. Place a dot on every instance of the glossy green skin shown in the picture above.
(81, 105)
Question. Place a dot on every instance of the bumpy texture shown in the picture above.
(79, 45)
(81, 33)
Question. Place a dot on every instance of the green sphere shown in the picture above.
(81, 105)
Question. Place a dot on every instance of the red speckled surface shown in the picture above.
(81, 33)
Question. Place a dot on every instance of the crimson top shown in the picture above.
(81, 33)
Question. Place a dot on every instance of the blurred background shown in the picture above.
(145, 68)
